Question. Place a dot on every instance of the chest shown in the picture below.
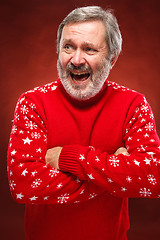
(100, 127)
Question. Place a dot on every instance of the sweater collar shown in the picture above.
(84, 103)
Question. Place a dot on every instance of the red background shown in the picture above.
(28, 59)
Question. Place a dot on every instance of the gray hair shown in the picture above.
(113, 34)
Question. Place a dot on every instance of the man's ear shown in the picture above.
(114, 60)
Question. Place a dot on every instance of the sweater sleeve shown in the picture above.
(30, 179)
(137, 175)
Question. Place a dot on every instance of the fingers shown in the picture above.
(122, 150)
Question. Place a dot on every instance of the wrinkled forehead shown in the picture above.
(91, 32)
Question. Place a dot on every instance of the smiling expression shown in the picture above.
(82, 64)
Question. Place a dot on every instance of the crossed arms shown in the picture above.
(77, 173)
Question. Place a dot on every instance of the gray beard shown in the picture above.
(93, 88)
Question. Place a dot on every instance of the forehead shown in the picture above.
(89, 31)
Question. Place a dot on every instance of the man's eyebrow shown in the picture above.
(88, 44)
(85, 44)
(65, 41)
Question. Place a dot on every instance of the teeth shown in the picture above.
(79, 73)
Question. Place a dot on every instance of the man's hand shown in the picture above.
(52, 157)
(121, 150)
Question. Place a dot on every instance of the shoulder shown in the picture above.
(47, 88)
(41, 92)
(124, 93)
(38, 97)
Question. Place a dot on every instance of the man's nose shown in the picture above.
(78, 58)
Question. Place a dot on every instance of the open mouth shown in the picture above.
(79, 77)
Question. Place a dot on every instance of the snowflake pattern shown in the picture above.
(35, 135)
(139, 132)
(53, 173)
(12, 184)
(36, 183)
(81, 157)
(114, 161)
(152, 179)
(31, 125)
(92, 195)
(14, 129)
(63, 198)
(144, 192)
(149, 127)
(24, 109)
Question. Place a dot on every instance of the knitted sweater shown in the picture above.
(88, 197)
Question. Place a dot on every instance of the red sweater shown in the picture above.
(86, 198)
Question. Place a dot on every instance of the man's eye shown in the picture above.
(90, 50)
(68, 47)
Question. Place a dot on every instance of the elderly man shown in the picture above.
(82, 145)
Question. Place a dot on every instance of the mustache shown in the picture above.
(72, 67)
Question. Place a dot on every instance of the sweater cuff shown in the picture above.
(69, 159)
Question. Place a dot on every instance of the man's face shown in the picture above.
(82, 64)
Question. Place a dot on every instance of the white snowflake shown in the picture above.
(123, 189)
(59, 185)
(36, 183)
(53, 172)
(152, 179)
(92, 148)
(155, 161)
(33, 198)
(33, 173)
(19, 196)
(24, 172)
(129, 179)
(14, 129)
(92, 195)
(141, 148)
(12, 160)
(143, 120)
(12, 184)
(16, 117)
(45, 137)
(130, 138)
(145, 192)
(109, 180)
(38, 150)
(63, 198)
(97, 159)
(82, 157)
(13, 152)
(82, 191)
(147, 161)
(149, 127)
(90, 176)
(144, 108)
(30, 125)
(24, 109)
(21, 165)
(53, 87)
(21, 132)
(35, 135)
(139, 130)
(46, 198)
(32, 106)
(77, 180)
(136, 162)
(146, 135)
(114, 161)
